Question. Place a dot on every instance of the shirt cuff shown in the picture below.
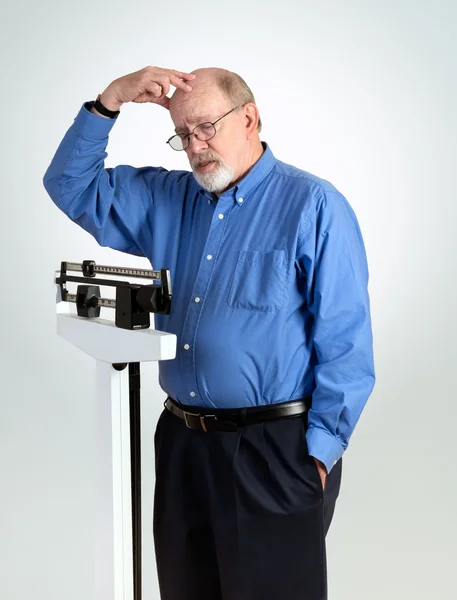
(323, 446)
(91, 126)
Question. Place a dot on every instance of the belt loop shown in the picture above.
(244, 412)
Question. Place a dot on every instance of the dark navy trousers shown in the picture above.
(240, 515)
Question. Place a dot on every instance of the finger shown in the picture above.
(154, 88)
(183, 75)
(165, 86)
(174, 80)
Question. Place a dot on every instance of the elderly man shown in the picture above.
(271, 311)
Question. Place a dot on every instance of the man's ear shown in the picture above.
(251, 114)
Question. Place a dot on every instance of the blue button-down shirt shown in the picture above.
(269, 281)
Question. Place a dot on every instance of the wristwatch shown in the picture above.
(112, 114)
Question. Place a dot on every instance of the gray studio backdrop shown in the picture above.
(360, 93)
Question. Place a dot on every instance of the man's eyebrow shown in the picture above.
(198, 121)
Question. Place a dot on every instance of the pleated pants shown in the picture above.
(240, 515)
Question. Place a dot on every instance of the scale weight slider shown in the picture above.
(87, 301)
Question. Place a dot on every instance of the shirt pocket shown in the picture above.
(259, 280)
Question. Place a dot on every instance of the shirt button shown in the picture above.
(186, 346)
(192, 394)
(240, 200)
(197, 299)
(209, 257)
(221, 216)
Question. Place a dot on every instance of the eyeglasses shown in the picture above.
(203, 132)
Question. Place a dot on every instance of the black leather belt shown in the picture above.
(228, 419)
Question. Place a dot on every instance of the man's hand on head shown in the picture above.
(150, 84)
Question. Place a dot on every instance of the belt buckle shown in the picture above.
(186, 418)
(200, 417)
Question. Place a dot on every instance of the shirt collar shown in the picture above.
(253, 178)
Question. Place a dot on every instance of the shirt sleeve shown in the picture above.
(115, 205)
(333, 259)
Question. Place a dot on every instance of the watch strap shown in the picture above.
(112, 114)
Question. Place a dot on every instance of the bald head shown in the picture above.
(205, 79)
(211, 75)
(211, 83)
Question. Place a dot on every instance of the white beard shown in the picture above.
(217, 180)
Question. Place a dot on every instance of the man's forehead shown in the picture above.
(196, 118)
(205, 103)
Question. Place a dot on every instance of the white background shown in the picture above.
(361, 93)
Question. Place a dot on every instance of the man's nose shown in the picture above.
(196, 145)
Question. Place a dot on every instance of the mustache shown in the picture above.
(204, 157)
